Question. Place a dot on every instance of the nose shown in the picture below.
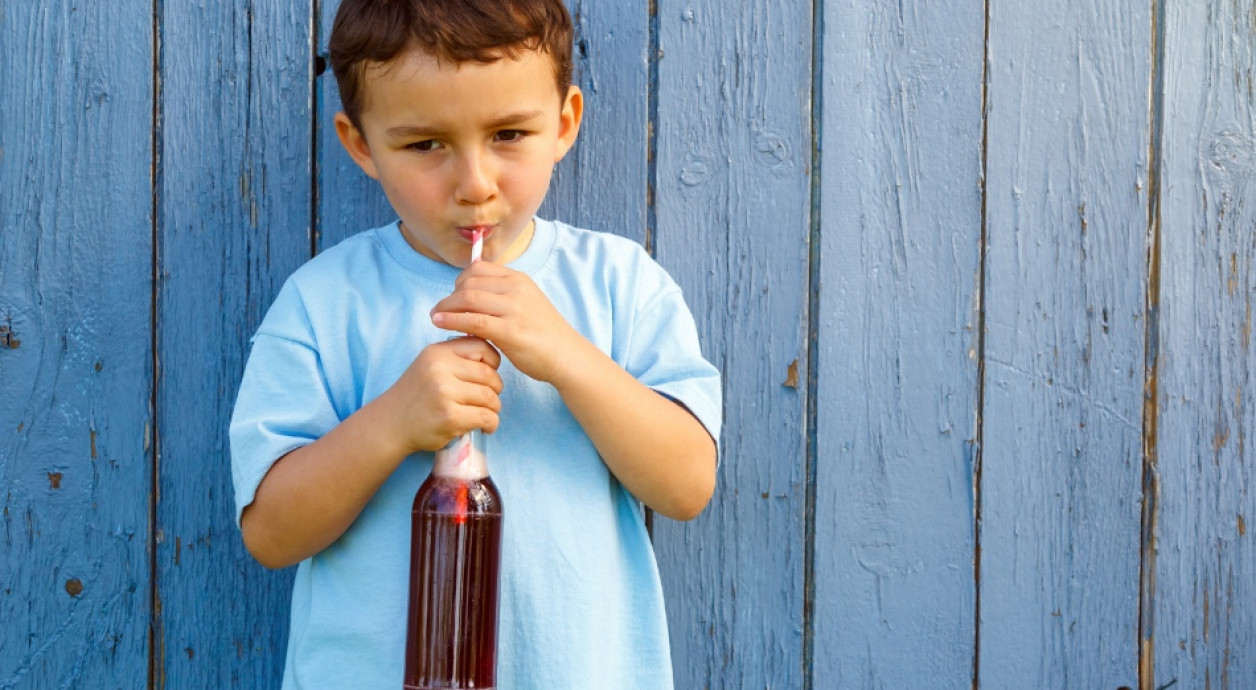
(476, 182)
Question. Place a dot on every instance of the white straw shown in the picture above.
(477, 245)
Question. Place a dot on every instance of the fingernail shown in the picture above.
(438, 318)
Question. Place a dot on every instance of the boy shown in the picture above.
(580, 341)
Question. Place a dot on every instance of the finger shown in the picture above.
(481, 269)
(481, 325)
(476, 395)
(474, 300)
(476, 349)
(483, 419)
(470, 417)
(479, 373)
(494, 284)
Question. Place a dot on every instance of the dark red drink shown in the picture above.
(455, 547)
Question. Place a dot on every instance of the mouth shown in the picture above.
(467, 232)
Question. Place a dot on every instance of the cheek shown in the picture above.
(407, 180)
(413, 194)
(535, 181)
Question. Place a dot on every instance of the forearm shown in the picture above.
(655, 447)
(313, 494)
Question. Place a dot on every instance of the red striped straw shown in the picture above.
(464, 452)
(477, 248)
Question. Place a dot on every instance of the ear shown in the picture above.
(355, 144)
(569, 121)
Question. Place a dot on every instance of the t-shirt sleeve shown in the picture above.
(663, 352)
(283, 403)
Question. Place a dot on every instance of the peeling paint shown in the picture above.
(791, 375)
(1207, 616)
(54, 480)
(1220, 438)
(8, 339)
(1246, 331)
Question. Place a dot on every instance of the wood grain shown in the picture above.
(898, 342)
(1205, 576)
(733, 210)
(1068, 134)
(234, 221)
(601, 183)
(76, 153)
(1113, 134)
(348, 201)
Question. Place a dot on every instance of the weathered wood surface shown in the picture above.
(234, 210)
(601, 183)
(76, 89)
(348, 201)
(898, 339)
(733, 222)
(1068, 132)
(1205, 562)
(1119, 169)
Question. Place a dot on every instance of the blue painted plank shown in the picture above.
(601, 182)
(234, 222)
(348, 201)
(897, 393)
(76, 154)
(1205, 560)
(733, 215)
(1065, 318)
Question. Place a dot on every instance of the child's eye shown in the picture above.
(510, 135)
(424, 146)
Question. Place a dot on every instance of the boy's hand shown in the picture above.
(451, 388)
(506, 308)
(658, 450)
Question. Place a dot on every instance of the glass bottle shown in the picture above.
(455, 549)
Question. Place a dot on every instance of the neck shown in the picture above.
(517, 247)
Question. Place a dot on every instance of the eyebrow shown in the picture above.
(506, 120)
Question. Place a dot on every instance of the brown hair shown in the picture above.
(376, 31)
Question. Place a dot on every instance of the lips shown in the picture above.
(467, 232)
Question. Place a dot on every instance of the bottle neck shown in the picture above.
(463, 458)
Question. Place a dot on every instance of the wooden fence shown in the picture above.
(979, 277)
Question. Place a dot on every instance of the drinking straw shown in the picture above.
(464, 450)
(477, 249)
(477, 244)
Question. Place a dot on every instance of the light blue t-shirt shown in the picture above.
(581, 601)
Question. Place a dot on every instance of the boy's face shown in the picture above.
(460, 147)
